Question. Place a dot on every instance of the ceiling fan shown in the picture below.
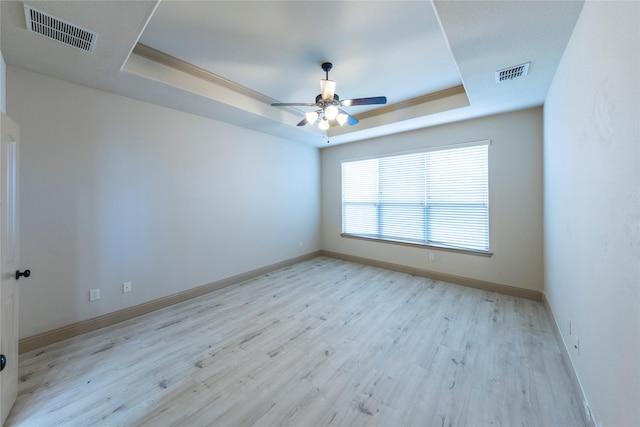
(328, 105)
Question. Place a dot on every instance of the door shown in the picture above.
(9, 263)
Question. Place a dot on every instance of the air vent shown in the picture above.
(512, 73)
(59, 30)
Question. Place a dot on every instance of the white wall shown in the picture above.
(592, 206)
(118, 190)
(515, 198)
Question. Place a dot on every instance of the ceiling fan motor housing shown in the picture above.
(319, 100)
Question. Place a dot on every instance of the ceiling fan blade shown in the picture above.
(350, 119)
(292, 104)
(327, 89)
(364, 101)
(303, 122)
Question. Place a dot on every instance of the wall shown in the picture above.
(592, 207)
(515, 198)
(3, 85)
(117, 190)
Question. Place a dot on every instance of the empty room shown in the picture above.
(445, 231)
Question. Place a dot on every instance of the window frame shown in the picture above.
(409, 242)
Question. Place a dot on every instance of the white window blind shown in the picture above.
(436, 198)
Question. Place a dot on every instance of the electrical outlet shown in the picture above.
(432, 256)
(126, 287)
(94, 294)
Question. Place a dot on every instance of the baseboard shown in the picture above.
(459, 280)
(564, 351)
(78, 328)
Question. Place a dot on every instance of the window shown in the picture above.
(436, 198)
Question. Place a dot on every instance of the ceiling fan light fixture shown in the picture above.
(342, 119)
(324, 124)
(331, 112)
(312, 116)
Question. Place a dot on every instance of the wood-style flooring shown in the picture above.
(322, 343)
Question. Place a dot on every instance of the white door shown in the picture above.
(9, 256)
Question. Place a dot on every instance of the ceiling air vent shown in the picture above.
(59, 29)
(512, 73)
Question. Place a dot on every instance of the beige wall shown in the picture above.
(592, 207)
(118, 190)
(515, 197)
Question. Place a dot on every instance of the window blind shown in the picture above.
(436, 198)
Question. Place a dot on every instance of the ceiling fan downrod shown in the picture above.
(326, 67)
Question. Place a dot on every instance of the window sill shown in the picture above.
(419, 245)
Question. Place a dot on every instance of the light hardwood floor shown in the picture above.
(322, 343)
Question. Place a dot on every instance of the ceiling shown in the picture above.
(229, 60)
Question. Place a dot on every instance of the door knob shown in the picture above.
(25, 273)
(3, 362)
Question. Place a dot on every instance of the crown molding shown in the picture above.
(193, 70)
